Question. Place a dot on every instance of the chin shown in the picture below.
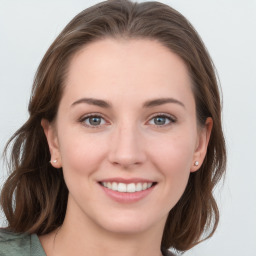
(129, 223)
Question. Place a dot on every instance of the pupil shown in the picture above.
(94, 120)
(160, 120)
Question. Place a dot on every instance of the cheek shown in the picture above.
(174, 153)
(173, 158)
(81, 157)
(81, 154)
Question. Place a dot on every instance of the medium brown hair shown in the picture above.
(34, 197)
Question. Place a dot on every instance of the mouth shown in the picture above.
(132, 187)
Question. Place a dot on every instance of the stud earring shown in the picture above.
(54, 161)
(196, 163)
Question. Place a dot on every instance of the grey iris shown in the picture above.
(159, 120)
(94, 120)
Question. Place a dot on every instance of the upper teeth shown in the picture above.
(130, 188)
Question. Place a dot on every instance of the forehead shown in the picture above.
(118, 67)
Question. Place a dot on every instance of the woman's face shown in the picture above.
(126, 122)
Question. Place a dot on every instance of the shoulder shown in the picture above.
(6, 235)
(14, 243)
(18, 244)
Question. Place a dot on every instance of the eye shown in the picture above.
(94, 121)
(161, 120)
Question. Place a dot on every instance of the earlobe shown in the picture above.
(52, 139)
(204, 135)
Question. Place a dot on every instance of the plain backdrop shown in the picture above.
(228, 28)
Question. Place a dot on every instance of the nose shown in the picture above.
(127, 147)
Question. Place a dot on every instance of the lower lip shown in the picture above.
(125, 197)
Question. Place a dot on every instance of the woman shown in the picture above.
(125, 105)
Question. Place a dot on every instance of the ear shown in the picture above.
(52, 139)
(204, 134)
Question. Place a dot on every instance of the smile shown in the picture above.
(127, 188)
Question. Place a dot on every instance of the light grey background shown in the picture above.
(228, 28)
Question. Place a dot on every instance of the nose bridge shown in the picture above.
(126, 147)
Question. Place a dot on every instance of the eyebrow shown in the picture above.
(147, 104)
(93, 101)
(161, 101)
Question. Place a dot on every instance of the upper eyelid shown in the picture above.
(91, 114)
(165, 115)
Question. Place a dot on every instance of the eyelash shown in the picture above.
(97, 115)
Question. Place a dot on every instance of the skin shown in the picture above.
(128, 143)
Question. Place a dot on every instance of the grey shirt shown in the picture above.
(13, 244)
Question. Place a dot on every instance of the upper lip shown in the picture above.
(127, 181)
